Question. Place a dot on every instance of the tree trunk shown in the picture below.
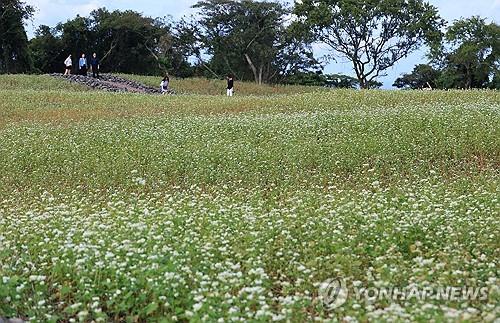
(363, 84)
(468, 85)
(253, 68)
(113, 45)
(6, 62)
(207, 67)
(358, 68)
(230, 68)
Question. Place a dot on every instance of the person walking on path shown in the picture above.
(164, 84)
(68, 63)
(230, 85)
(94, 63)
(82, 65)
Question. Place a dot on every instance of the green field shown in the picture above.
(195, 207)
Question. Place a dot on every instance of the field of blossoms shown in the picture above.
(135, 208)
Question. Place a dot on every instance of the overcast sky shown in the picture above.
(50, 12)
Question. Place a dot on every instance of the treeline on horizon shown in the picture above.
(265, 42)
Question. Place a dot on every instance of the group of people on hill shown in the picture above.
(95, 66)
(83, 65)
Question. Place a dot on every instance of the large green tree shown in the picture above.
(372, 34)
(128, 41)
(47, 50)
(14, 53)
(470, 58)
(249, 39)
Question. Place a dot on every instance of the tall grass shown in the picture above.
(204, 86)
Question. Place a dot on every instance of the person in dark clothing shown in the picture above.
(94, 63)
(230, 85)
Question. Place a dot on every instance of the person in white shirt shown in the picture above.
(68, 63)
(164, 84)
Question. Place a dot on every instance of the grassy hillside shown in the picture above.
(37, 82)
(127, 207)
(205, 86)
(199, 86)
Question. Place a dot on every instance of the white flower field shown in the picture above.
(135, 208)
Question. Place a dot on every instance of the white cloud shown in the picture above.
(86, 8)
(50, 12)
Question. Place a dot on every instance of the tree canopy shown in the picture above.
(14, 54)
(372, 34)
(251, 40)
(422, 76)
(126, 41)
(468, 58)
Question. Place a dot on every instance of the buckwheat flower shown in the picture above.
(75, 306)
(490, 317)
(197, 307)
(82, 314)
(140, 181)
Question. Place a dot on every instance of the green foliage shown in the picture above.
(14, 53)
(468, 58)
(471, 56)
(130, 42)
(422, 76)
(372, 34)
(306, 78)
(47, 51)
(338, 81)
(342, 81)
(248, 39)
(125, 41)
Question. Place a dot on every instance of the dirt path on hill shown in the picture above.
(111, 83)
